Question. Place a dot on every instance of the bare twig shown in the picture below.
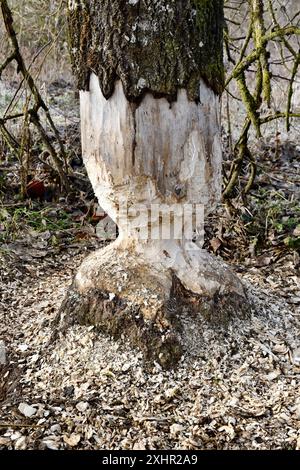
(60, 165)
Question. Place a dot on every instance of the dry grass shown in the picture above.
(42, 35)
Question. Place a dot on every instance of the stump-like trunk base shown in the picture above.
(148, 292)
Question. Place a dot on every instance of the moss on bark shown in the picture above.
(151, 45)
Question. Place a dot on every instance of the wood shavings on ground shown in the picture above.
(238, 389)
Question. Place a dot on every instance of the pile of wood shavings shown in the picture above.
(238, 389)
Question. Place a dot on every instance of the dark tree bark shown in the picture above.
(151, 45)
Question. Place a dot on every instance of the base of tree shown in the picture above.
(148, 292)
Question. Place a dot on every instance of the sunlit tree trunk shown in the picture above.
(151, 75)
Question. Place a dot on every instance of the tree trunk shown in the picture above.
(150, 74)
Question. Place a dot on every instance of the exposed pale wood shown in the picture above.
(157, 152)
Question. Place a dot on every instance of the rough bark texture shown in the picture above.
(157, 46)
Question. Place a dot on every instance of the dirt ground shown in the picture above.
(239, 390)
(236, 389)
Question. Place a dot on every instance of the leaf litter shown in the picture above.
(237, 389)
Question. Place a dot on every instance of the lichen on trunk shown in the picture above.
(156, 46)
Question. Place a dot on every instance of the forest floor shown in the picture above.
(240, 390)
(87, 391)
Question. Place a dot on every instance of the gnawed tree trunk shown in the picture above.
(150, 74)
